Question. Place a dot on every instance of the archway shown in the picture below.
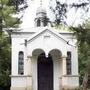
(45, 72)
(57, 66)
(55, 53)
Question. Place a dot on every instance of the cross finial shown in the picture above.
(40, 2)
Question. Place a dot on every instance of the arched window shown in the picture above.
(21, 63)
(68, 64)
(38, 23)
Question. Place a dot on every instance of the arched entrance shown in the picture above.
(45, 72)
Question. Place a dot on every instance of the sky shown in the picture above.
(30, 12)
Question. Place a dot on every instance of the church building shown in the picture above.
(43, 58)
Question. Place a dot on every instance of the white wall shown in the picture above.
(47, 42)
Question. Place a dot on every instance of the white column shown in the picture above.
(60, 73)
(64, 65)
(25, 58)
(64, 78)
(29, 73)
(29, 65)
(41, 23)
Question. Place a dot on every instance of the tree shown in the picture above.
(6, 12)
(8, 8)
(61, 9)
(5, 60)
(17, 3)
(83, 37)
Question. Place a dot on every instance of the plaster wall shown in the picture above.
(46, 41)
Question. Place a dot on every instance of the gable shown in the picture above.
(47, 40)
(47, 34)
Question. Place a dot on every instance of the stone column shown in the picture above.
(42, 23)
(60, 77)
(64, 71)
(29, 73)
(29, 65)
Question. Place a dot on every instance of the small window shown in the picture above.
(21, 63)
(68, 63)
(45, 22)
(38, 23)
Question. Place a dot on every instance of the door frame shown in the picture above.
(55, 77)
(44, 62)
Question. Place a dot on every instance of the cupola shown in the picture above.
(41, 19)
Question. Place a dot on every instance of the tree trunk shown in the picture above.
(85, 79)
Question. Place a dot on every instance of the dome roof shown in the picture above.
(41, 10)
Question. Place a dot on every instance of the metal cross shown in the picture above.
(40, 2)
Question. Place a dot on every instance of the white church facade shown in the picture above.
(43, 58)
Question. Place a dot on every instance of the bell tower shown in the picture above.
(41, 19)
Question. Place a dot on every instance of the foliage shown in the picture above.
(5, 60)
(7, 20)
(83, 36)
(8, 9)
(61, 10)
(17, 3)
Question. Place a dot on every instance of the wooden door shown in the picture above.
(45, 73)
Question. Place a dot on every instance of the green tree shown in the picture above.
(8, 9)
(83, 36)
(6, 15)
(61, 8)
(5, 60)
(7, 20)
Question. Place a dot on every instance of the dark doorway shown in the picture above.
(45, 72)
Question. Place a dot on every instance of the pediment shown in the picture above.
(48, 40)
(47, 34)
